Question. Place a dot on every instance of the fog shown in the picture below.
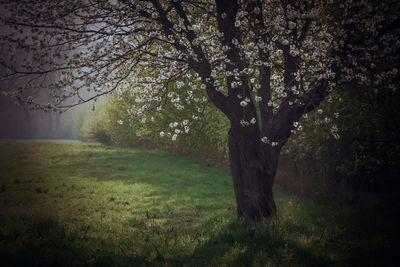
(21, 121)
(17, 121)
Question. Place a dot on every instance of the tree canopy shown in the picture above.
(282, 55)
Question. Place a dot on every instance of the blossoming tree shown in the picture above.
(263, 63)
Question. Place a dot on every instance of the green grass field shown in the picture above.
(69, 204)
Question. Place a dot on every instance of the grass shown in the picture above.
(69, 204)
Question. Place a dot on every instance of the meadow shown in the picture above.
(86, 204)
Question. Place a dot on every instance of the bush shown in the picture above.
(93, 127)
(207, 137)
(365, 156)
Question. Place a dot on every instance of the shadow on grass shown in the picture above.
(44, 242)
(240, 243)
(283, 242)
(220, 241)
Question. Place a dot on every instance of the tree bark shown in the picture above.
(50, 129)
(253, 166)
(58, 121)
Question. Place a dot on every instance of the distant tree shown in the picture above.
(262, 63)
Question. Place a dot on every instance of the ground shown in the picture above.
(70, 203)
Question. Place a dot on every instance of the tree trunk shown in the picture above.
(58, 121)
(253, 166)
(50, 129)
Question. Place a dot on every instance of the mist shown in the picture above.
(21, 119)
(17, 121)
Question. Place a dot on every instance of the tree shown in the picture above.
(262, 63)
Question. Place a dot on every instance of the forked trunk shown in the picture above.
(253, 166)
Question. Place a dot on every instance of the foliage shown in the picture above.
(206, 138)
(119, 127)
(360, 151)
(101, 205)
(93, 126)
